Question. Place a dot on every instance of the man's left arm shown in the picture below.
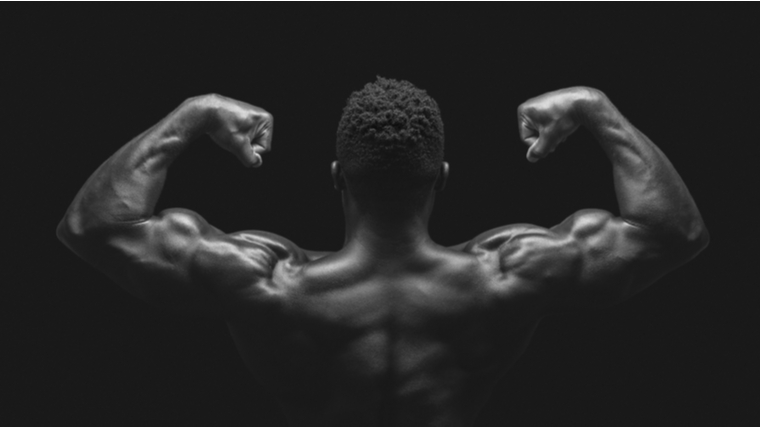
(111, 223)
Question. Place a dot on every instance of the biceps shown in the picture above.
(616, 256)
(179, 262)
(155, 261)
(590, 260)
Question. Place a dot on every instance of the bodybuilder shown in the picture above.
(392, 329)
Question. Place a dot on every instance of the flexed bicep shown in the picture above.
(590, 260)
(179, 262)
(594, 258)
(156, 260)
(111, 222)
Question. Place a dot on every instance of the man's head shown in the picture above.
(390, 140)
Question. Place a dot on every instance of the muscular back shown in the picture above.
(417, 336)
(408, 339)
(421, 338)
(346, 340)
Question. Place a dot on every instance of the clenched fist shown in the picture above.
(242, 129)
(547, 120)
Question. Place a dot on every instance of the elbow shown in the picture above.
(699, 237)
(696, 240)
(704, 239)
(76, 238)
(704, 236)
(686, 243)
(69, 229)
(60, 232)
(64, 232)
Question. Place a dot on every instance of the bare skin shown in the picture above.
(393, 329)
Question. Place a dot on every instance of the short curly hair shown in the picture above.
(390, 136)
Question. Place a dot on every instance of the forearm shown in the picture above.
(126, 187)
(650, 192)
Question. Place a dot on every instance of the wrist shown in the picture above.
(198, 115)
(592, 108)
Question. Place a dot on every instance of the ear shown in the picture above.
(339, 182)
(443, 176)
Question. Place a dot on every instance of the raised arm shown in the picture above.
(594, 258)
(167, 259)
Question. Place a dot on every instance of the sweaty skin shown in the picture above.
(393, 329)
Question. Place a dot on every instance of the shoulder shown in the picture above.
(505, 239)
(588, 260)
(281, 248)
(557, 255)
(579, 233)
(217, 254)
(254, 250)
(246, 256)
(528, 250)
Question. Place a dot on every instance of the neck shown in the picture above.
(386, 228)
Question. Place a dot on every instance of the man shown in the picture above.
(393, 329)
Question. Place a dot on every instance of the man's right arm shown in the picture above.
(594, 258)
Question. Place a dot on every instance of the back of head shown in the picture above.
(390, 139)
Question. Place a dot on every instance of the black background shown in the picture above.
(80, 81)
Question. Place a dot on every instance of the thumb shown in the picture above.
(260, 142)
(249, 155)
(257, 150)
(538, 150)
(532, 137)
